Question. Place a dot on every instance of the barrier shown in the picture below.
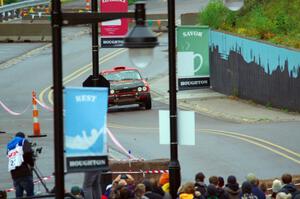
(25, 32)
(35, 115)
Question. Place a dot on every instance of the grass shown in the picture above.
(276, 21)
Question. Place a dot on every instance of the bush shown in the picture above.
(214, 15)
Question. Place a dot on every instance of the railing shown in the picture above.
(23, 4)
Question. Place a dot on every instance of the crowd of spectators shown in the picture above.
(125, 187)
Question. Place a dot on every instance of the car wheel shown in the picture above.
(148, 103)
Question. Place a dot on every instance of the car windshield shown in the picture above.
(123, 75)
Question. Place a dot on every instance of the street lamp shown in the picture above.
(60, 19)
(174, 166)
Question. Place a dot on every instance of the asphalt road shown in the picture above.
(217, 150)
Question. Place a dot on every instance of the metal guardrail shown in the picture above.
(23, 4)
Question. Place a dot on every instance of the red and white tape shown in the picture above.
(8, 110)
(45, 178)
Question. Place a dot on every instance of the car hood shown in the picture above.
(126, 84)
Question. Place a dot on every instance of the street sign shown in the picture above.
(113, 29)
(85, 128)
(193, 57)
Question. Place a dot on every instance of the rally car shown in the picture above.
(127, 87)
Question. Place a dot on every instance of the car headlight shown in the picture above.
(139, 89)
(145, 88)
(112, 91)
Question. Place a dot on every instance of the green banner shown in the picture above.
(192, 51)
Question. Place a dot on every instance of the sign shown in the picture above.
(194, 82)
(112, 42)
(186, 127)
(85, 128)
(114, 29)
(192, 56)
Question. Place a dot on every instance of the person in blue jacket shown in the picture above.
(21, 172)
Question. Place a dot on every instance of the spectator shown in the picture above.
(20, 166)
(199, 183)
(187, 191)
(149, 190)
(139, 191)
(263, 188)
(221, 194)
(251, 178)
(247, 191)
(288, 186)
(283, 195)
(3, 194)
(164, 182)
(232, 188)
(220, 182)
(77, 192)
(211, 192)
(91, 185)
(276, 186)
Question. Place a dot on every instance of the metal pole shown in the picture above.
(58, 98)
(174, 166)
(95, 45)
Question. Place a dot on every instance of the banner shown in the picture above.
(85, 128)
(193, 56)
(116, 29)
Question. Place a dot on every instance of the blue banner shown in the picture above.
(85, 122)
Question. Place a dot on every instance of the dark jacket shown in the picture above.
(257, 192)
(221, 194)
(233, 191)
(202, 187)
(288, 188)
(25, 168)
(152, 195)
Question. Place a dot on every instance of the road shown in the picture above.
(221, 146)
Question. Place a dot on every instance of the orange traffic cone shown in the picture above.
(88, 5)
(35, 115)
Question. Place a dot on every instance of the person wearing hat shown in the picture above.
(232, 188)
(276, 186)
(251, 178)
(20, 163)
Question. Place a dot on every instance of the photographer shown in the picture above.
(20, 162)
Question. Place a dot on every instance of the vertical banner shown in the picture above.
(113, 31)
(193, 57)
(85, 128)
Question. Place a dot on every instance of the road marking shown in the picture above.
(77, 73)
(246, 138)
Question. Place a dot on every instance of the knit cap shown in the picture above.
(276, 186)
(164, 178)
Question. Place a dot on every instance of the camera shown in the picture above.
(36, 150)
(124, 176)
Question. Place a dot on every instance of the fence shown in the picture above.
(254, 70)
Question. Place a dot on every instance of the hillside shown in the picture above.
(277, 21)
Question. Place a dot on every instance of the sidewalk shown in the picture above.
(217, 105)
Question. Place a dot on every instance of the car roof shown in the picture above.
(118, 68)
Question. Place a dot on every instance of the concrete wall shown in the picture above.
(20, 32)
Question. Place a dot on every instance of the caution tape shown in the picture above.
(11, 111)
(43, 105)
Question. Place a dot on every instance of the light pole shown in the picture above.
(59, 19)
(174, 165)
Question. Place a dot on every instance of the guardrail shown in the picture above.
(23, 4)
(11, 11)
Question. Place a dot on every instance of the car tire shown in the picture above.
(148, 103)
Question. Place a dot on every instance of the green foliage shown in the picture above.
(214, 15)
(10, 1)
(130, 2)
(277, 21)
